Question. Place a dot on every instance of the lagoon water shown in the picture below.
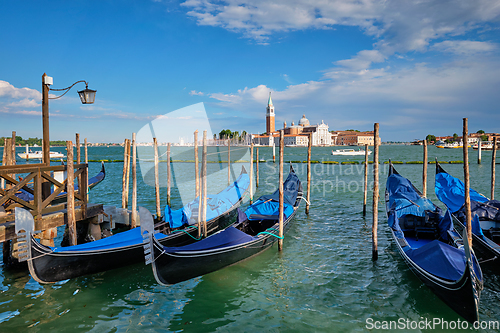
(323, 281)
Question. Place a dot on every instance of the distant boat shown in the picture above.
(350, 152)
(484, 146)
(452, 145)
(39, 155)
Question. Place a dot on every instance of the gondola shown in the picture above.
(431, 247)
(485, 215)
(48, 264)
(255, 230)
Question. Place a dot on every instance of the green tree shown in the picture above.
(484, 138)
(480, 132)
(225, 134)
(455, 136)
(430, 138)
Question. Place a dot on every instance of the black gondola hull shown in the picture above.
(48, 266)
(177, 267)
(461, 295)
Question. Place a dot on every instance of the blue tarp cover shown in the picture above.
(228, 237)
(439, 259)
(126, 238)
(451, 191)
(404, 200)
(291, 186)
(217, 204)
(260, 207)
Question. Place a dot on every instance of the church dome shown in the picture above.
(304, 121)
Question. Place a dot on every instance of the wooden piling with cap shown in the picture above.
(70, 190)
(493, 160)
(375, 193)
(466, 182)
(133, 222)
(281, 198)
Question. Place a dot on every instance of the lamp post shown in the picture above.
(87, 96)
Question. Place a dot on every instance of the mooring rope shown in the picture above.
(184, 230)
(270, 233)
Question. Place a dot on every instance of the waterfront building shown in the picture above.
(295, 135)
(353, 138)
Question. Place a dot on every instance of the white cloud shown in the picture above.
(9, 91)
(196, 93)
(21, 112)
(420, 97)
(465, 47)
(362, 60)
(25, 103)
(397, 25)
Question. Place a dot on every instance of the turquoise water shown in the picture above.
(323, 281)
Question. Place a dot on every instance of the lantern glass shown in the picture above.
(87, 96)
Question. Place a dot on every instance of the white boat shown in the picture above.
(452, 145)
(39, 155)
(484, 146)
(350, 152)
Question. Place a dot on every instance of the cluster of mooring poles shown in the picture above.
(130, 154)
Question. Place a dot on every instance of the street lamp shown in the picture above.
(87, 96)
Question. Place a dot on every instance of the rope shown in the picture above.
(270, 233)
(184, 230)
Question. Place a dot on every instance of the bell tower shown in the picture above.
(270, 116)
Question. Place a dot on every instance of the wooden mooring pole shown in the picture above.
(493, 160)
(13, 149)
(157, 179)
(77, 142)
(478, 150)
(7, 158)
(196, 166)
(282, 147)
(133, 222)
(365, 191)
(228, 162)
(86, 152)
(375, 193)
(309, 151)
(257, 168)
(424, 174)
(204, 182)
(274, 148)
(126, 166)
(13, 152)
(169, 176)
(4, 159)
(467, 182)
(70, 190)
(251, 173)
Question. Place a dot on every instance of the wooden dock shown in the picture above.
(44, 196)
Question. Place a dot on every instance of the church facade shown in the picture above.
(294, 135)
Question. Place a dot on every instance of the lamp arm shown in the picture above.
(67, 89)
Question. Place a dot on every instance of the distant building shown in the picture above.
(353, 138)
(294, 135)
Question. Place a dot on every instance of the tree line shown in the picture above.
(432, 138)
(31, 141)
(228, 134)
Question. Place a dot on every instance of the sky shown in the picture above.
(414, 67)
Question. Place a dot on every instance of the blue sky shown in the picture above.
(415, 67)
